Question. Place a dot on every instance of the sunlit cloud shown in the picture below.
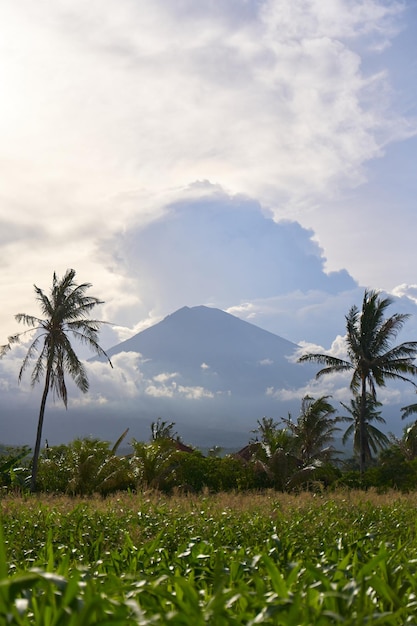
(267, 100)
(174, 390)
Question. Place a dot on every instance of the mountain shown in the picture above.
(206, 346)
(213, 374)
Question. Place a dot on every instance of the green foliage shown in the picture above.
(134, 560)
(162, 430)
(300, 453)
(153, 463)
(83, 467)
(194, 472)
(407, 444)
(14, 467)
(394, 471)
(314, 430)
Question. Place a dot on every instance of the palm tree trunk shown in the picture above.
(39, 431)
(362, 435)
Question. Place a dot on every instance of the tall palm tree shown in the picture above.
(372, 360)
(375, 439)
(66, 311)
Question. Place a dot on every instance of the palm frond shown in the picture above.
(28, 320)
(408, 410)
(119, 441)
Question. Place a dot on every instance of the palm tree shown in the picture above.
(314, 430)
(66, 310)
(372, 360)
(266, 430)
(162, 430)
(408, 442)
(375, 440)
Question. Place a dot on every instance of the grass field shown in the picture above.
(341, 558)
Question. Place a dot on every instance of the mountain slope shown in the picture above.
(206, 346)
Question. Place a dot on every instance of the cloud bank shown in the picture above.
(112, 113)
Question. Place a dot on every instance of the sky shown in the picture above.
(253, 155)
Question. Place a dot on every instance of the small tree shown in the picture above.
(66, 312)
(162, 430)
(314, 430)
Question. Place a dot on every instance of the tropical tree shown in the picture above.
(372, 359)
(266, 430)
(291, 455)
(375, 440)
(153, 463)
(65, 312)
(273, 453)
(314, 430)
(407, 445)
(162, 430)
(85, 466)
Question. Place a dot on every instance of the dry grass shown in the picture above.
(268, 501)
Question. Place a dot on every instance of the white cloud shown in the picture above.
(164, 377)
(111, 114)
(195, 393)
(222, 250)
(312, 19)
(160, 391)
(338, 349)
(174, 390)
(404, 290)
(334, 385)
(122, 382)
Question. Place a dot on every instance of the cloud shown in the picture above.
(404, 290)
(225, 251)
(164, 377)
(128, 381)
(124, 381)
(182, 391)
(338, 349)
(111, 116)
(334, 385)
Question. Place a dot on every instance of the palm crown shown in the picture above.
(66, 311)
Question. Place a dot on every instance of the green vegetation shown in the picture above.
(288, 456)
(228, 559)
